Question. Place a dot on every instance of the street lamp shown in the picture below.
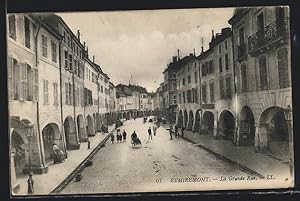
(29, 135)
(288, 118)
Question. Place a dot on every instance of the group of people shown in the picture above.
(154, 128)
(120, 137)
(175, 131)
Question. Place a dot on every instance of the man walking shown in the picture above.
(182, 129)
(176, 131)
(150, 133)
(154, 129)
(171, 130)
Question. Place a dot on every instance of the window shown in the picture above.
(10, 71)
(228, 87)
(12, 26)
(183, 97)
(174, 99)
(195, 95)
(189, 79)
(203, 70)
(69, 41)
(66, 59)
(179, 98)
(23, 82)
(211, 66)
(220, 65)
(70, 62)
(178, 84)
(75, 67)
(55, 94)
(36, 84)
(226, 62)
(212, 92)
(204, 93)
(93, 80)
(196, 76)
(260, 23)
(54, 51)
(183, 81)
(174, 75)
(76, 101)
(226, 45)
(263, 73)
(27, 32)
(189, 96)
(244, 78)
(44, 45)
(221, 89)
(283, 72)
(101, 89)
(67, 93)
(45, 92)
(241, 36)
(220, 49)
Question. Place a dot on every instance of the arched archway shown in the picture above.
(191, 120)
(227, 125)
(185, 117)
(273, 129)
(70, 133)
(51, 134)
(247, 129)
(81, 129)
(18, 146)
(90, 126)
(180, 119)
(197, 122)
(207, 123)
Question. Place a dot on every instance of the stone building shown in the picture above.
(46, 68)
(262, 58)
(205, 88)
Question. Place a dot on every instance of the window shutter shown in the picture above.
(10, 78)
(30, 84)
(22, 82)
(36, 85)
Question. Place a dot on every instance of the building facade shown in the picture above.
(47, 86)
(262, 57)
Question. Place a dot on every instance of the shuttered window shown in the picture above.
(212, 92)
(55, 94)
(204, 93)
(10, 78)
(283, 73)
(23, 82)
(12, 26)
(263, 73)
(46, 92)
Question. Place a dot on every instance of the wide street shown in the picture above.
(160, 164)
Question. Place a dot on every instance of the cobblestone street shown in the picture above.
(120, 168)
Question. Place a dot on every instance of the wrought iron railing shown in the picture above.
(271, 33)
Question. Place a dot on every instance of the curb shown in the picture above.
(242, 167)
(81, 166)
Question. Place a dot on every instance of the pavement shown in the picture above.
(45, 183)
(244, 156)
(159, 165)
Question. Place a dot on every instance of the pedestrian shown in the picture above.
(124, 136)
(154, 129)
(182, 129)
(112, 137)
(170, 130)
(150, 133)
(176, 131)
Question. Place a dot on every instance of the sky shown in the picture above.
(140, 44)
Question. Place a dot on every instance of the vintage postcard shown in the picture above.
(150, 101)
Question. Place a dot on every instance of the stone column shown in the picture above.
(216, 123)
(15, 186)
(263, 137)
(256, 138)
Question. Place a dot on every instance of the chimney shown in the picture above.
(78, 34)
(174, 59)
(178, 55)
(191, 54)
(84, 45)
(212, 35)
(93, 58)
(194, 52)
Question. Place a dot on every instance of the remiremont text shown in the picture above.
(190, 179)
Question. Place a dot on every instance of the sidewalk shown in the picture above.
(243, 156)
(45, 183)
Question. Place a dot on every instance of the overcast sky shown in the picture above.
(142, 43)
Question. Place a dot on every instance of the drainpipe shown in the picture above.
(235, 92)
(61, 100)
(37, 100)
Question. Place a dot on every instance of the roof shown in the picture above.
(237, 13)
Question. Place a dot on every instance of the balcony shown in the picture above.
(242, 55)
(272, 36)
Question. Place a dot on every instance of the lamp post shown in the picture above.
(288, 118)
(29, 135)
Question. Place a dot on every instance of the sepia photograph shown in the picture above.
(166, 100)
